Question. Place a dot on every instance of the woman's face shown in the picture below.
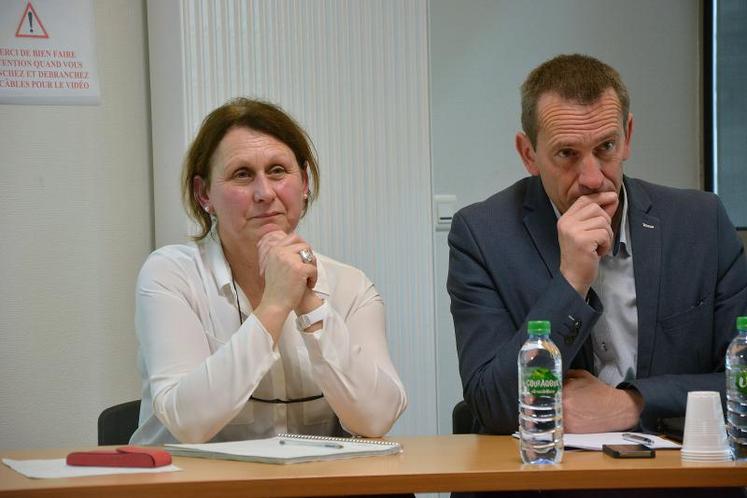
(256, 187)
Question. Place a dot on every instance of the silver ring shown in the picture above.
(306, 255)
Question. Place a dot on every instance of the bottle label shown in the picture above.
(542, 382)
(740, 379)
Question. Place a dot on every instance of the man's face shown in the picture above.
(580, 148)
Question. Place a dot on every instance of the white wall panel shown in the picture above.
(354, 73)
(76, 217)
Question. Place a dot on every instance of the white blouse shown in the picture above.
(199, 365)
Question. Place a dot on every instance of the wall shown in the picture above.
(729, 106)
(75, 207)
(481, 51)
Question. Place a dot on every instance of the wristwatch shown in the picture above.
(317, 315)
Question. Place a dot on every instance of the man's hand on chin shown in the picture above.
(584, 236)
(589, 405)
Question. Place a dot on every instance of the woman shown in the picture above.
(246, 332)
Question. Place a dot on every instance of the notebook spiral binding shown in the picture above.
(338, 439)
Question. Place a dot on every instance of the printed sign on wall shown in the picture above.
(47, 52)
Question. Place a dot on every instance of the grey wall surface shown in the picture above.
(480, 53)
(75, 207)
(730, 109)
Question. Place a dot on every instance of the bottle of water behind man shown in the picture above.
(736, 391)
(540, 397)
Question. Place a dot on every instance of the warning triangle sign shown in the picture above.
(30, 25)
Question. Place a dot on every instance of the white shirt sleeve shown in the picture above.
(195, 392)
(350, 362)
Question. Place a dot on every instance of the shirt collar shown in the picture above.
(217, 262)
(621, 247)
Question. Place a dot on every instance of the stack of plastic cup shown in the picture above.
(704, 438)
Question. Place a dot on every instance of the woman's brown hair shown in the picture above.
(256, 115)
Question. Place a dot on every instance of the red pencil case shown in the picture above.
(126, 456)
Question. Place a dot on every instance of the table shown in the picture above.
(428, 464)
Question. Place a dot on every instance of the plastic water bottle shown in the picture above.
(540, 397)
(736, 391)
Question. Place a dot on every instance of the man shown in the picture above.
(642, 283)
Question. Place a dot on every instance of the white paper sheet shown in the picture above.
(594, 441)
(56, 468)
(48, 53)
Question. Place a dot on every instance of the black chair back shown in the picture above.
(117, 423)
(462, 420)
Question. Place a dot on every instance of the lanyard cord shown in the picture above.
(236, 293)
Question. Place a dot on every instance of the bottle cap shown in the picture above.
(538, 327)
(742, 323)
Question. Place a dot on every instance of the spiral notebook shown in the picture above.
(288, 448)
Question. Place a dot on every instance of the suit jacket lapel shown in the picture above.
(540, 221)
(645, 232)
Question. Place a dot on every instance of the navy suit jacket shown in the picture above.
(690, 280)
